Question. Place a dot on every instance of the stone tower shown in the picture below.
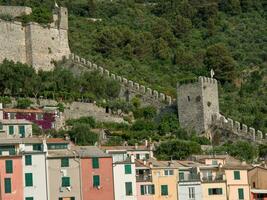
(197, 102)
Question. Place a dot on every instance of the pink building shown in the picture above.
(96, 174)
(11, 178)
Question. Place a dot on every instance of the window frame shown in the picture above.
(164, 190)
(28, 160)
(127, 185)
(8, 189)
(96, 180)
(64, 180)
(95, 163)
(9, 166)
(240, 193)
(237, 175)
(128, 169)
(28, 180)
(65, 162)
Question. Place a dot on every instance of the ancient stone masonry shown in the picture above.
(238, 128)
(130, 88)
(198, 108)
(34, 44)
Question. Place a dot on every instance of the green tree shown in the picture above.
(182, 26)
(24, 103)
(82, 135)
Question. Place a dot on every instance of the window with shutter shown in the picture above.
(11, 130)
(7, 185)
(96, 180)
(28, 159)
(29, 198)
(215, 191)
(65, 181)
(164, 190)
(9, 166)
(127, 169)
(22, 131)
(237, 175)
(142, 189)
(64, 162)
(181, 176)
(95, 163)
(28, 180)
(128, 189)
(72, 198)
(240, 193)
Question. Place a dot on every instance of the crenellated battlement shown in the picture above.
(131, 85)
(238, 128)
(202, 79)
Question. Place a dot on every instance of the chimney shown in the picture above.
(1, 111)
(145, 162)
(136, 145)
(132, 159)
(146, 143)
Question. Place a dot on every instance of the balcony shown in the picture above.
(143, 178)
(216, 178)
(189, 178)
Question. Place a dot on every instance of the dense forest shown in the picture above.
(160, 42)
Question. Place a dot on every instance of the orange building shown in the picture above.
(257, 177)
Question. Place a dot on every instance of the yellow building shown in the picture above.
(165, 179)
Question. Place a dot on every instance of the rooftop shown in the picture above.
(126, 148)
(90, 151)
(16, 110)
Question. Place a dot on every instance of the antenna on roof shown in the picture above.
(212, 73)
(56, 5)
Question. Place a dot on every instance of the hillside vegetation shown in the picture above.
(160, 42)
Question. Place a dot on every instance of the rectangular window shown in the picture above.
(64, 162)
(95, 163)
(240, 193)
(29, 198)
(237, 175)
(22, 131)
(37, 147)
(28, 180)
(96, 180)
(138, 156)
(214, 162)
(1, 126)
(181, 176)
(127, 169)
(147, 156)
(215, 191)
(12, 115)
(7, 185)
(10, 130)
(147, 189)
(28, 159)
(65, 181)
(168, 172)
(128, 189)
(9, 166)
(192, 193)
(164, 190)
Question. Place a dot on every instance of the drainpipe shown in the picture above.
(80, 175)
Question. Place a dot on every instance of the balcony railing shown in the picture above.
(143, 178)
(189, 178)
(216, 178)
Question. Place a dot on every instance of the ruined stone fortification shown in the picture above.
(129, 88)
(15, 11)
(198, 109)
(33, 43)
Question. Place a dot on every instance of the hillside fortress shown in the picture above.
(34, 44)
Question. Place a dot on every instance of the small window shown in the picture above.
(29, 198)
(95, 163)
(168, 172)
(65, 181)
(9, 166)
(215, 191)
(164, 190)
(192, 193)
(188, 98)
(237, 175)
(8, 185)
(240, 193)
(28, 159)
(128, 188)
(214, 162)
(10, 130)
(198, 98)
(147, 156)
(127, 169)
(181, 176)
(37, 147)
(64, 162)
(147, 189)
(209, 103)
(22, 130)
(12, 115)
(138, 156)
(28, 180)
(1, 126)
(96, 181)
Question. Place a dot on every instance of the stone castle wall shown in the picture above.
(129, 89)
(15, 11)
(238, 128)
(197, 102)
(34, 44)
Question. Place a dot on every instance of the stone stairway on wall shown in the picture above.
(147, 95)
(238, 128)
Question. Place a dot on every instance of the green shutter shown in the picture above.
(11, 130)
(28, 159)
(29, 198)
(60, 198)
(72, 198)
(164, 190)
(9, 166)
(28, 180)
(237, 175)
(65, 181)
(128, 189)
(127, 169)
(210, 191)
(64, 162)
(153, 189)
(219, 191)
(22, 130)
(37, 147)
(95, 163)
(181, 176)
(96, 180)
(1, 126)
(7, 185)
(240, 193)
(142, 189)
